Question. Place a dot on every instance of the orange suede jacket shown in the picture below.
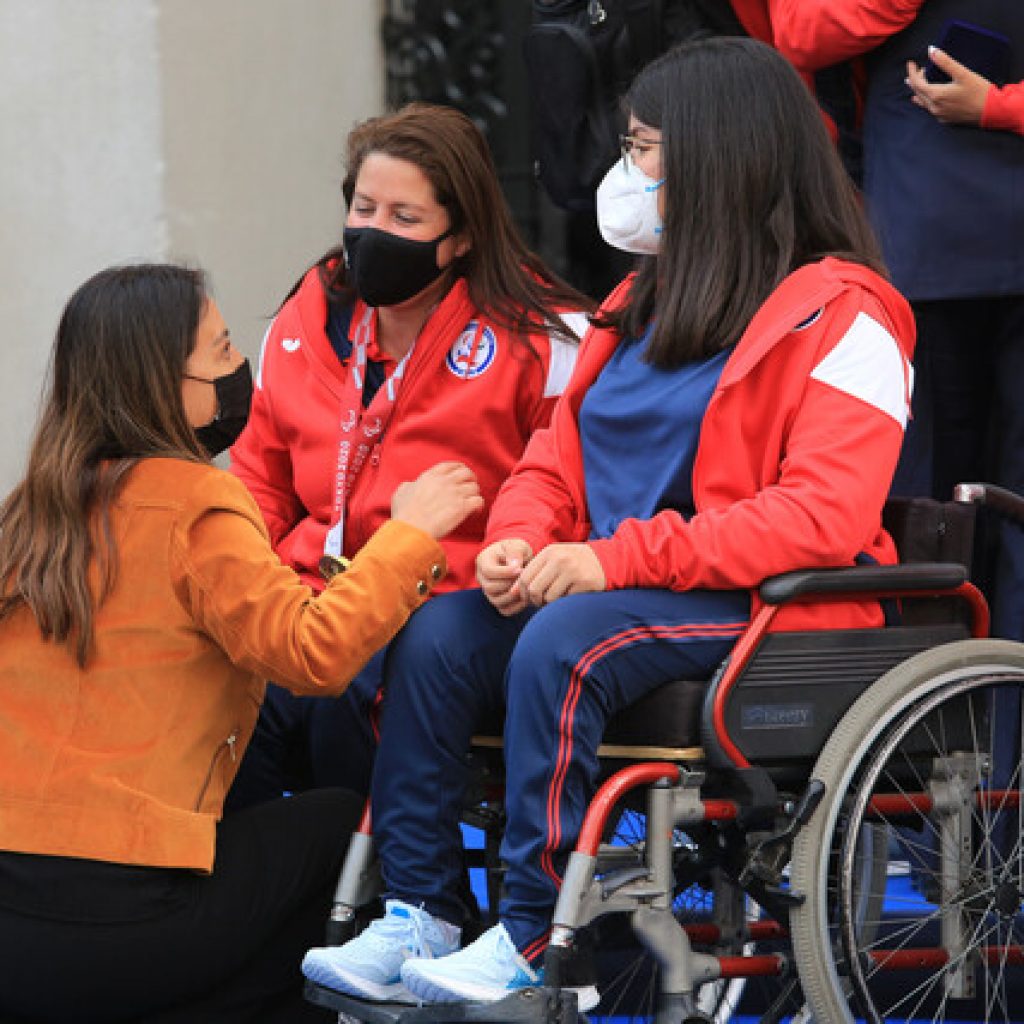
(128, 760)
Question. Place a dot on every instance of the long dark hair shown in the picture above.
(753, 190)
(113, 397)
(506, 280)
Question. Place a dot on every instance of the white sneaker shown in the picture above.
(368, 966)
(485, 971)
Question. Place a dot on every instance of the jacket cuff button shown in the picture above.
(422, 589)
(435, 572)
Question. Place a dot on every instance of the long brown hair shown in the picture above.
(754, 189)
(114, 397)
(506, 280)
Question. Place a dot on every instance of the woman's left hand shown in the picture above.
(561, 569)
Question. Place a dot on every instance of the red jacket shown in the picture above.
(813, 34)
(796, 453)
(288, 453)
(1004, 108)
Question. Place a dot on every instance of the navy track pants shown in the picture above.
(557, 675)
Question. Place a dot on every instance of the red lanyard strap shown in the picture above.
(361, 430)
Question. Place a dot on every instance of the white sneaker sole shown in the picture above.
(330, 975)
(430, 991)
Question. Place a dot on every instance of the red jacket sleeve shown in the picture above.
(1004, 108)
(536, 504)
(813, 34)
(262, 461)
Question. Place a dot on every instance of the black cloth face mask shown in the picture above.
(234, 396)
(387, 269)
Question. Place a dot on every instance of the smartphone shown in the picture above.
(981, 49)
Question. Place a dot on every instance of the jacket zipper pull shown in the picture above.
(231, 741)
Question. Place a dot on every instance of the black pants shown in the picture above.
(84, 941)
(297, 745)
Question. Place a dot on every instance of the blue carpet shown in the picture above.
(900, 895)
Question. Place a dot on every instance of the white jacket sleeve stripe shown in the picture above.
(867, 363)
(259, 362)
(563, 354)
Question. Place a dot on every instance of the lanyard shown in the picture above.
(361, 431)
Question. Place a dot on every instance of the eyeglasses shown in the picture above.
(627, 143)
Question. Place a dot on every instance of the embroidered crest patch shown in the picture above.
(473, 352)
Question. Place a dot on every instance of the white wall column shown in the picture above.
(207, 131)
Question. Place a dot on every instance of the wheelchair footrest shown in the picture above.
(526, 1006)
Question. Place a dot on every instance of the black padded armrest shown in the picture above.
(865, 580)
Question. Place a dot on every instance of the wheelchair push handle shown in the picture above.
(999, 499)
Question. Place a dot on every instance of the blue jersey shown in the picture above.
(639, 427)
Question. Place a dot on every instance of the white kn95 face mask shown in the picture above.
(627, 209)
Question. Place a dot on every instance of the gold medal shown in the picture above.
(331, 565)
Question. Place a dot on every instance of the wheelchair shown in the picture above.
(837, 813)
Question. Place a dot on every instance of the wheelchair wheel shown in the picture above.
(929, 763)
(627, 973)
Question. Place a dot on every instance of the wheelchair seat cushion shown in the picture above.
(666, 717)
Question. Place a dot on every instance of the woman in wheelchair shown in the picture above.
(141, 611)
(736, 411)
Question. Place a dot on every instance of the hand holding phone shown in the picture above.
(961, 100)
(982, 50)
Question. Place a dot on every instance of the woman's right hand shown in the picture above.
(438, 499)
(498, 568)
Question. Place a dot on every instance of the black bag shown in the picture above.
(580, 57)
(927, 530)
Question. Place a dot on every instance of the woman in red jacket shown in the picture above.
(737, 412)
(431, 334)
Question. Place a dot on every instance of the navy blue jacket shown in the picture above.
(947, 202)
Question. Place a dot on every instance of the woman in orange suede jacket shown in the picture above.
(141, 608)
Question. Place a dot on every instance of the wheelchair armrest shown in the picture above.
(865, 580)
(999, 499)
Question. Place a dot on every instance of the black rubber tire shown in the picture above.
(912, 696)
